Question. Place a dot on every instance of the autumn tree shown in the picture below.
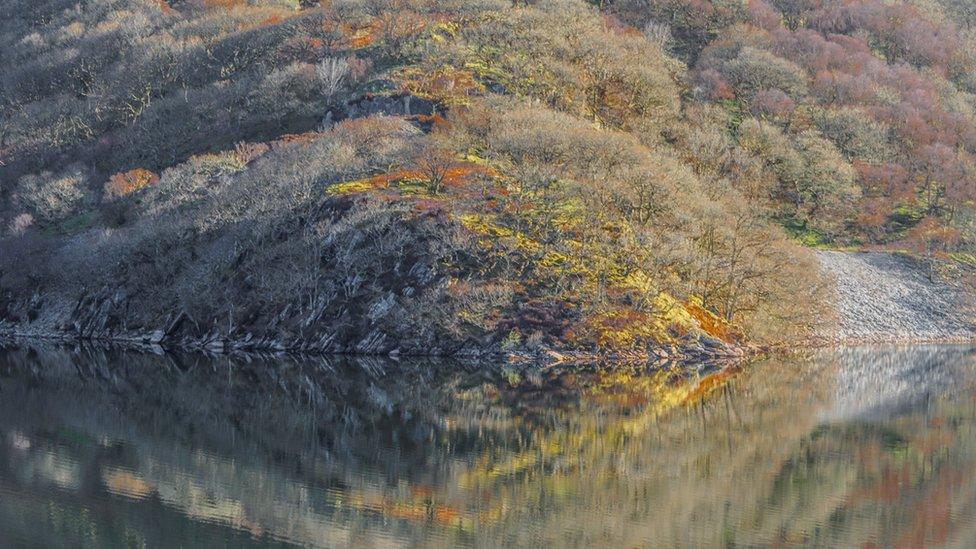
(930, 239)
(128, 182)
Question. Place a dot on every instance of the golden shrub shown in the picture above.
(128, 182)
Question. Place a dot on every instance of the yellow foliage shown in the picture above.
(671, 314)
(526, 244)
(488, 72)
(413, 186)
(483, 225)
(964, 258)
(223, 4)
(638, 281)
(625, 328)
(445, 84)
(444, 29)
(622, 328)
(474, 158)
(553, 260)
(646, 396)
(351, 187)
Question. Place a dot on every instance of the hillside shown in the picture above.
(436, 176)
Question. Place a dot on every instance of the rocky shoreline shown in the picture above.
(99, 318)
(879, 298)
(307, 327)
(686, 352)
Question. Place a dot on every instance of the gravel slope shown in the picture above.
(887, 297)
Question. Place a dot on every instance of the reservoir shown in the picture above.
(853, 447)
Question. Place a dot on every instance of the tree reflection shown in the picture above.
(849, 447)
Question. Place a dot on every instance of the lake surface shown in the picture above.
(859, 447)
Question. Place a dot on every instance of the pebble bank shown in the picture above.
(885, 297)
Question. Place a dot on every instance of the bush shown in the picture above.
(122, 184)
(754, 70)
(49, 198)
(565, 182)
(20, 224)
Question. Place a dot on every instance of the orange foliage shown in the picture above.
(384, 180)
(272, 20)
(222, 4)
(125, 183)
(464, 172)
(713, 325)
(710, 383)
(930, 238)
(165, 7)
(358, 37)
(613, 24)
(428, 119)
(420, 511)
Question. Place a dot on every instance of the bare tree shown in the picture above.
(434, 163)
(332, 71)
(658, 33)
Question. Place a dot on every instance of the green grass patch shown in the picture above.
(905, 216)
(73, 225)
(79, 223)
(799, 232)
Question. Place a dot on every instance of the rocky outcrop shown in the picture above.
(102, 317)
(397, 104)
(885, 297)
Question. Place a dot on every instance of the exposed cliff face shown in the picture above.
(889, 297)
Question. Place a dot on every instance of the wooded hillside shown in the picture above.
(418, 174)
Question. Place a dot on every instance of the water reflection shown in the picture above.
(854, 447)
(880, 384)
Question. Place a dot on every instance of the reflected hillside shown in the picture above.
(875, 382)
(848, 447)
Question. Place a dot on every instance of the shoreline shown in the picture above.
(881, 299)
(687, 355)
(156, 342)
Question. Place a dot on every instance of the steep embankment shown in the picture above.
(888, 297)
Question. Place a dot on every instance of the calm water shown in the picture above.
(856, 448)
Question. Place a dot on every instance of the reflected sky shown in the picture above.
(868, 446)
